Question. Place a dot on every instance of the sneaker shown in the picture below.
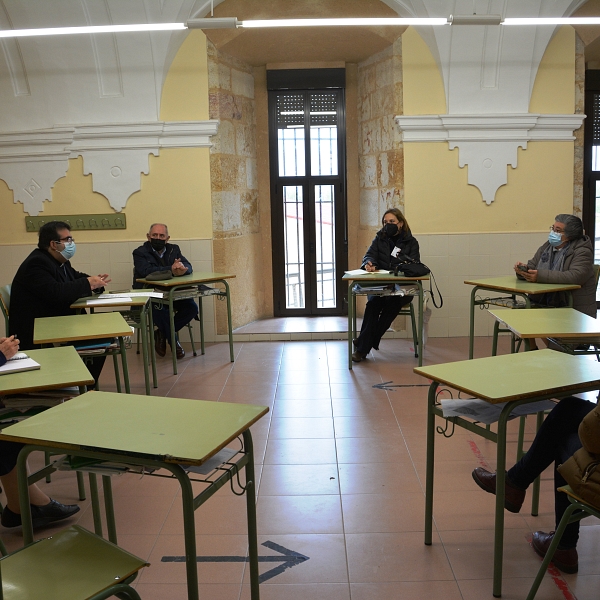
(40, 515)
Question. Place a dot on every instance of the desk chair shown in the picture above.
(4, 306)
(151, 333)
(407, 311)
(577, 510)
(73, 564)
(579, 346)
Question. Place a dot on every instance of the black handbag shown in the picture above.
(414, 268)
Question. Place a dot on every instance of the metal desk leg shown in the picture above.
(124, 363)
(429, 464)
(229, 328)
(23, 485)
(143, 333)
(150, 333)
(95, 504)
(472, 322)
(109, 509)
(500, 492)
(173, 332)
(189, 530)
(251, 513)
(535, 496)
(495, 338)
(351, 307)
(201, 321)
(420, 335)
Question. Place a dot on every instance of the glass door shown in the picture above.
(308, 202)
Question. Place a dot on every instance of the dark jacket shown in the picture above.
(146, 261)
(379, 252)
(43, 287)
(577, 269)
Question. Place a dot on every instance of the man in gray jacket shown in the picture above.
(567, 257)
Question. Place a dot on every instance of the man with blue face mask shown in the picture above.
(46, 284)
(567, 257)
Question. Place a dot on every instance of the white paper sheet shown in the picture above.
(484, 412)
(363, 272)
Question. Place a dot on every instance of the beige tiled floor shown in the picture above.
(340, 470)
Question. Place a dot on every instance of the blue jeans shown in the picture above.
(185, 310)
(556, 441)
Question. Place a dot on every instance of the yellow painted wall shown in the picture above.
(177, 188)
(423, 87)
(438, 198)
(554, 87)
(442, 201)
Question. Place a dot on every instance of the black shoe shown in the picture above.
(40, 515)
(358, 356)
(179, 351)
(513, 496)
(160, 343)
(564, 559)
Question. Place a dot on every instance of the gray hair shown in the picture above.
(166, 228)
(573, 226)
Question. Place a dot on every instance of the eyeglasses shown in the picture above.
(552, 228)
(66, 240)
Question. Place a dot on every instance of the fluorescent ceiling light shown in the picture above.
(8, 33)
(552, 21)
(342, 22)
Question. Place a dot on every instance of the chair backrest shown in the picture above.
(5, 303)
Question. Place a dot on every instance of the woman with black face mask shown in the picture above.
(392, 241)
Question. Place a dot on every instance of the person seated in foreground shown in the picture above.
(567, 257)
(46, 285)
(44, 510)
(392, 240)
(156, 254)
(556, 441)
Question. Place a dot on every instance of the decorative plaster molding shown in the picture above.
(488, 143)
(115, 154)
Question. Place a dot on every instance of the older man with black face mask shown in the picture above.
(156, 254)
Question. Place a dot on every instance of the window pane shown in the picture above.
(597, 240)
(294, 246)
(325, 246)
(290, 135)
(323, 134)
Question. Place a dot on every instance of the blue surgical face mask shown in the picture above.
(68, 251)
(555, 239)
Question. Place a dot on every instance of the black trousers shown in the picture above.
(185, 310)
(379, 314)
(556, 441)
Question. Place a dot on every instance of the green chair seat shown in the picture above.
(73, 564)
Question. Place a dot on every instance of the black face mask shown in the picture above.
(390, 229)
(158, 245)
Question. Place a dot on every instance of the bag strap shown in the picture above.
(431, 279)
(433, 282)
